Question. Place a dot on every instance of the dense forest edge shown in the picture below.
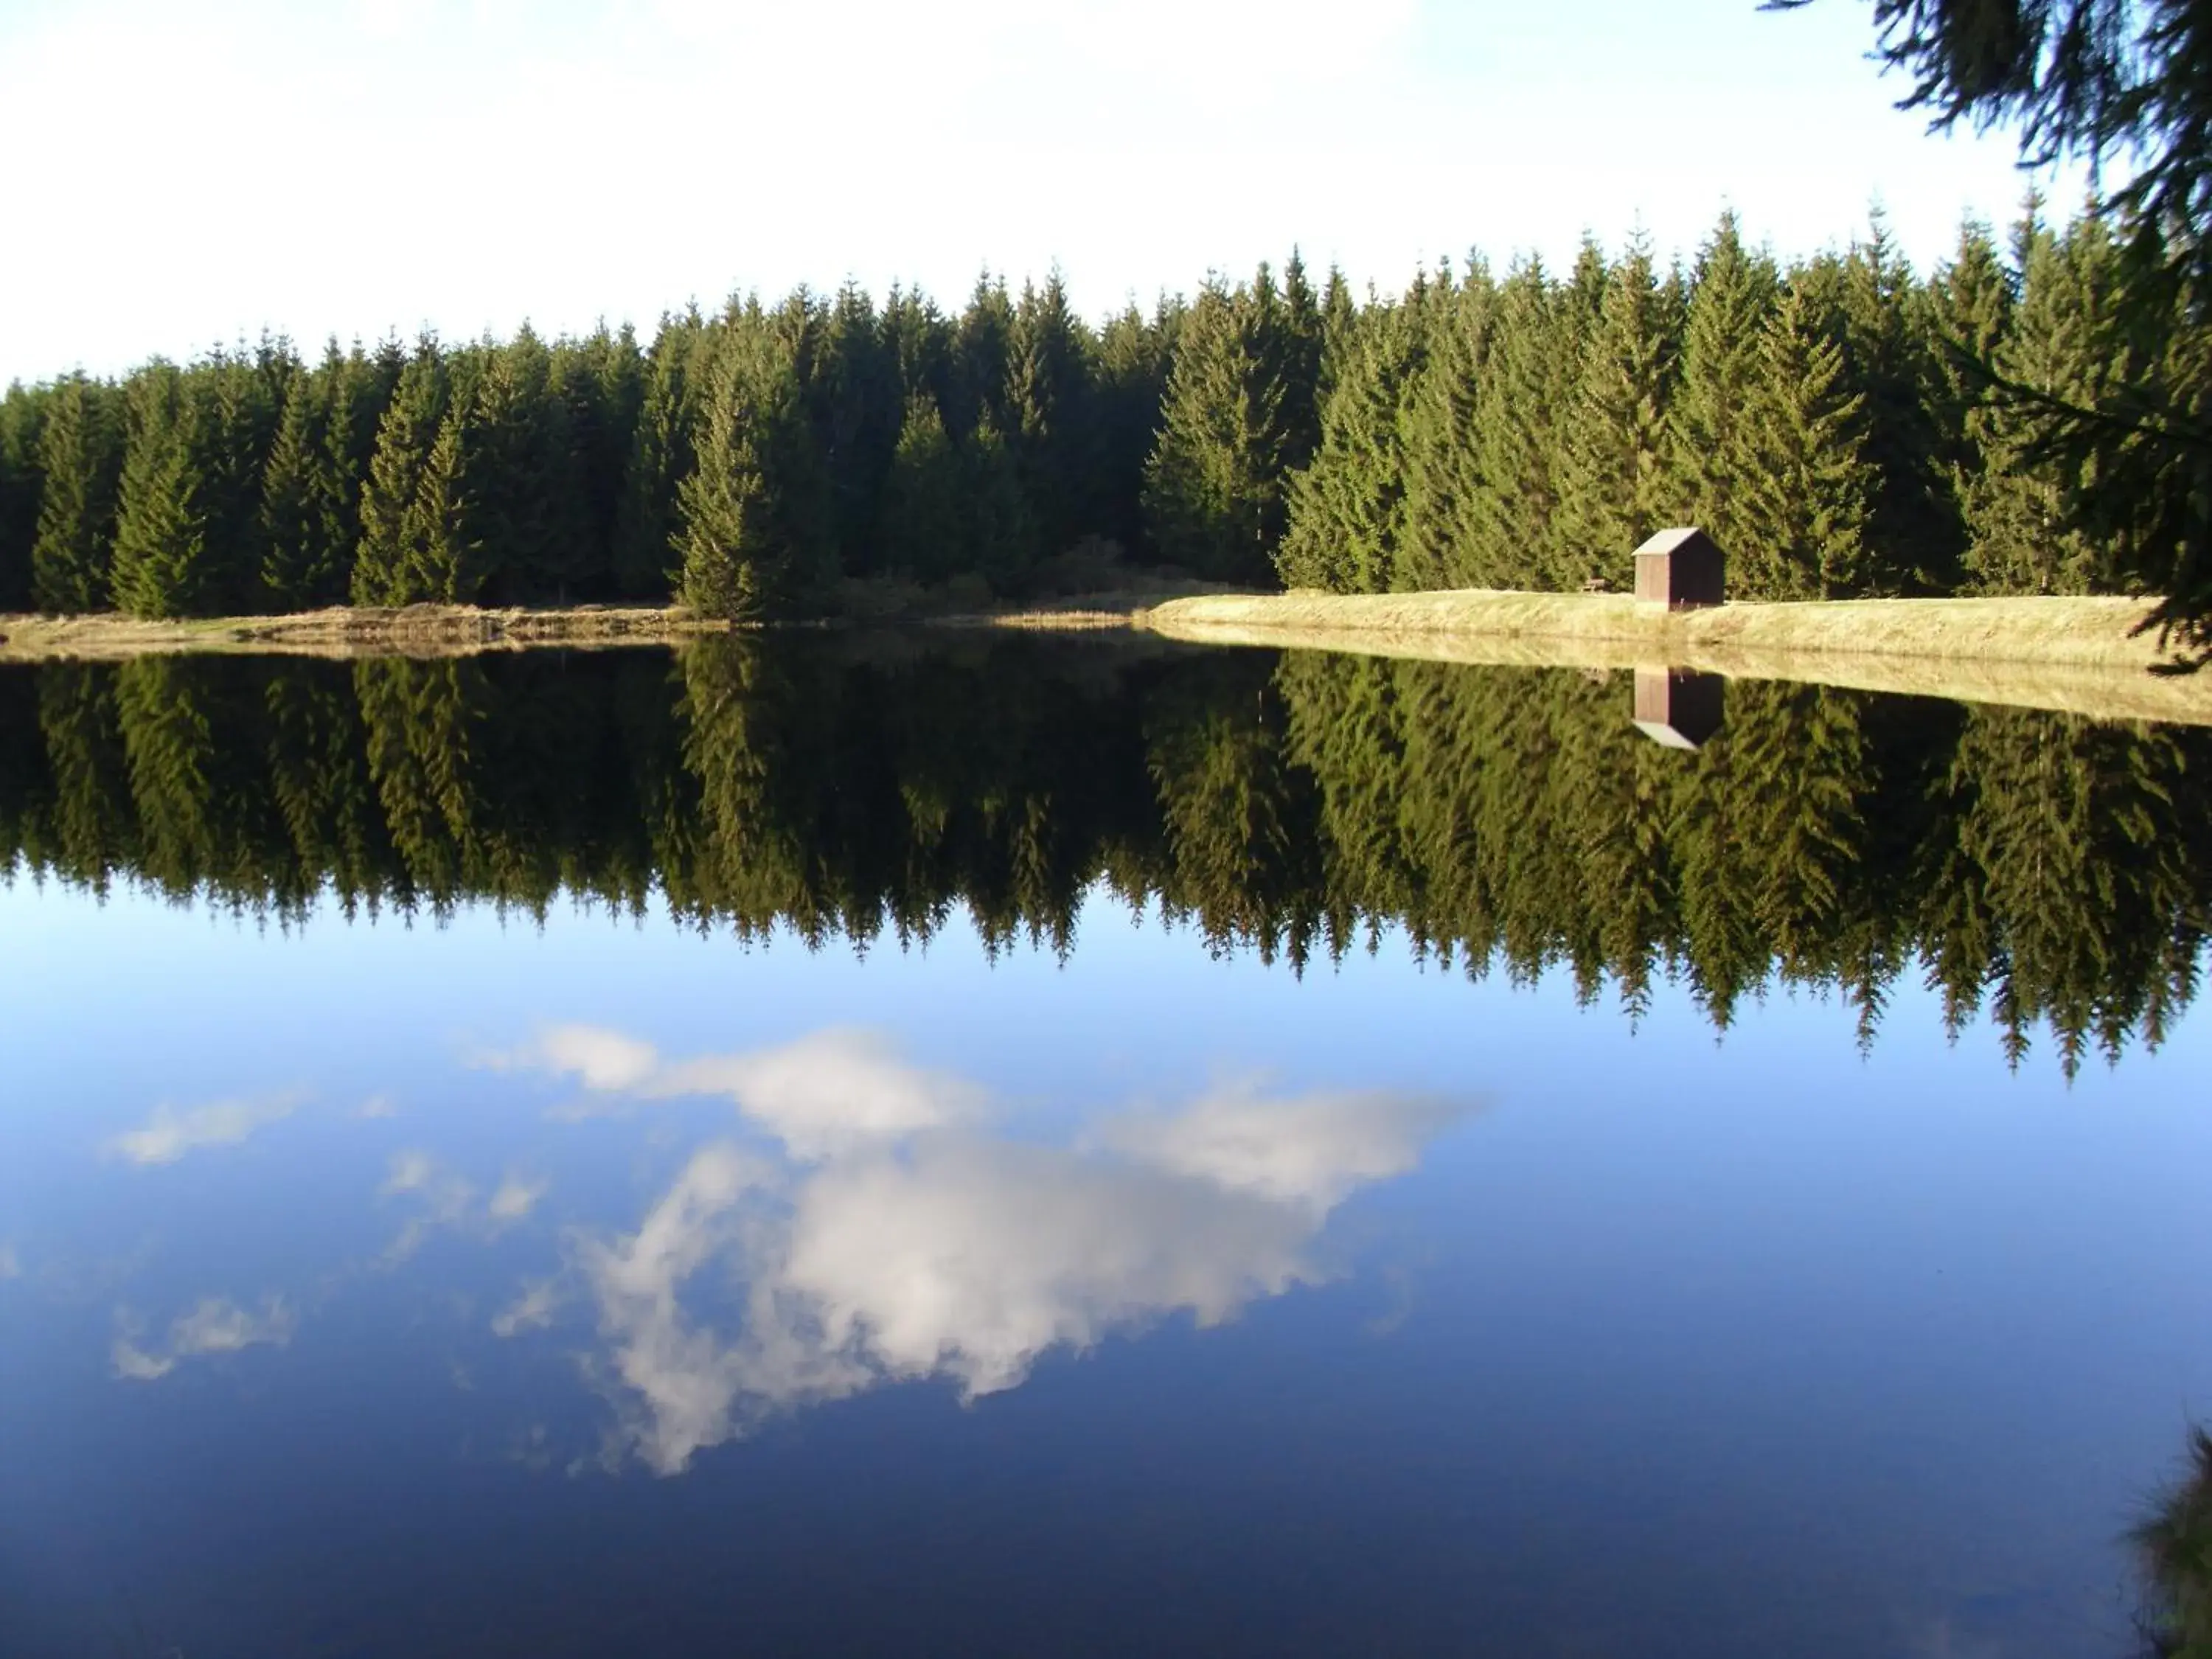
(1824, 421)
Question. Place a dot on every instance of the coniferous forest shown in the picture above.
(1829, 421)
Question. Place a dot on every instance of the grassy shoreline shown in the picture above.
(2075, 655)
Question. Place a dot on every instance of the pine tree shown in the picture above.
(754, 505)
(1810, 491)
(1913, 530)
(1442, 544)
(80, 458)
(1134, 355)
(1968, 312)
(1613, 484)
(646, 529)
(1711, 443)
(1518, 411)
(409, 427)
(443, 560)
(859, 403)
(162, 564)
(923, 498)
(1347, 510)
(298, 569)
(22, 418)
(1213, 495)
(1001, 532)
(2022, 535)
(1048, 414)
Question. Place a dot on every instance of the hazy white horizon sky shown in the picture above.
(198, 172)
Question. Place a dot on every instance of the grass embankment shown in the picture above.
(348, 631)
(2077, 655)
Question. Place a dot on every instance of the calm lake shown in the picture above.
(960, 1144)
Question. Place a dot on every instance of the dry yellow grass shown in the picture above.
(348, 631)
(2079, 655)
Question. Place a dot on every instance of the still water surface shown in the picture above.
(1031, 1147)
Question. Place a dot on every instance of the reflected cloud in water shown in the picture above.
(169, 1134)
(215, 1325)
(894, 1240)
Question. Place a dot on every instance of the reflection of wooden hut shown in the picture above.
(1678, 707)
(1679, 569)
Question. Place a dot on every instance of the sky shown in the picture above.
(194, 173)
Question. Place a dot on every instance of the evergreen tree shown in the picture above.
(1443, 544)
(1002, 532)
(1213, 495)
(306, 511)
(1967, 313)
(859, 405)
(754, 506)
(1811, 485)
(1518, 406)
(22, 418)
(1049, 415)
(1913, 529)
(2022, 535)
(411, 427)
(924, 498)
(1712, 439)
(1614, 490)
(1134, 355)
(80, 460)
(161, 564)
(1347, 530)
(660, 458)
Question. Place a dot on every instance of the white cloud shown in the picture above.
(168, 1134)
(897, 1255)
(214, 1325)
(515, 1198)
(532, 1311)
(377, 1106)
(829, 1091)
(441, 1197)
(1311, 1149)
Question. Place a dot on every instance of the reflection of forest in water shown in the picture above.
(2045, 867)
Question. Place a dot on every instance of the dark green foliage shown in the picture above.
(163, 566)
(2175, 1548)
(1895, 437)
(1712, 443)
(1614, 489)
(80, 464)
(1804, 495)
(22, 418)
(755, 528)
(1348, 531)
(924, 497)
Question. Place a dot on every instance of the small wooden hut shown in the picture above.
(1678, 707)
(1679, 569)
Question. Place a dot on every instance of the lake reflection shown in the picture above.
(1044, 1226)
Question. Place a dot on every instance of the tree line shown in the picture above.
(1830, 422)
(2044, 870)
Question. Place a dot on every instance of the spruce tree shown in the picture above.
(1214, 486)
(1048, 414)
(1967, 313)
(443, 560)
(1134, 355)
(301, 567)
(1614, 489)
(858, 404)
(1348, 528)
(161, 565)
(1811, 489)
(2023, 536)
(754, 506)
(646, 555)
(80, 458)
(1712, 442)
(1001, 532)
(22, 417)
(409, 427)
(1518, 411)
(1442, 544)
(924, 500)
(1913, 531)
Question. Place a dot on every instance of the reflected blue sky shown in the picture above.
(487, 1287)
